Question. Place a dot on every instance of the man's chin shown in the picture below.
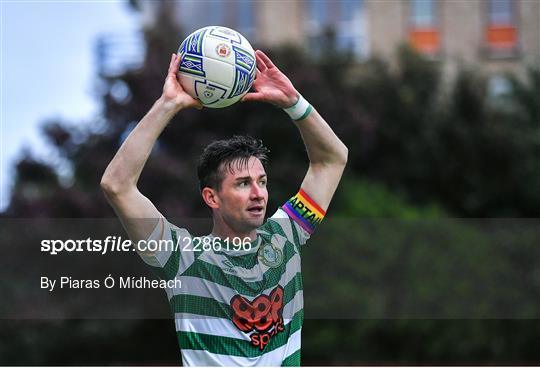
(255, 222)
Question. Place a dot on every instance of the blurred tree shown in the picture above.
(446, 143)
(446, 151)
(390, 283)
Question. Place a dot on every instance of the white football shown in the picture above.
(217, 66)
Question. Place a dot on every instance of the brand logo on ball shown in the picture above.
(223, 50)
(270, 255)
(226, 31)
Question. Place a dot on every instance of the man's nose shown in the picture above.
(256, 191)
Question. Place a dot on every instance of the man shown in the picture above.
(240, 302)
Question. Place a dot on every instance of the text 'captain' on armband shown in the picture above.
(304, 211)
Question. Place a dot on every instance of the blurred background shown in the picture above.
(437, 100)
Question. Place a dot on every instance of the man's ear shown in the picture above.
(210, 197)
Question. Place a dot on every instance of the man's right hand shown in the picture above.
(174, 95)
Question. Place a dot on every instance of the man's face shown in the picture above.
(243, 195)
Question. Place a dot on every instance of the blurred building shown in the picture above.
(116, 52)
(501, 35)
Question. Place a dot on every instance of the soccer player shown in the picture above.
(240, 302)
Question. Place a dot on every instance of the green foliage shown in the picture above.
(419, 266)
(362, 199)
(388, 282)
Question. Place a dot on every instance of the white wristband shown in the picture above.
(300, 110)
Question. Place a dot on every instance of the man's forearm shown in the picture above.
(125, 168)
(322, 144)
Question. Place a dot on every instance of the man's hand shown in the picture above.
(174, 95)
(271, 85)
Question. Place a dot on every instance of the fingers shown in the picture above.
(195, 102)
(177, 60)
(252, 96)
(261, 67)
(174, 65)
(257, 74)
(198, 105)
(265, 59)
(189, 102)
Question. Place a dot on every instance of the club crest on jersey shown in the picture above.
(263, 316)
(270, 255)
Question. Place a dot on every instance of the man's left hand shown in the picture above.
(271, 85)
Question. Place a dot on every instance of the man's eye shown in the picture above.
(243, 183)
(263, 183)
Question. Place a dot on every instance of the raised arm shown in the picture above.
(119, 182)
(327, 153)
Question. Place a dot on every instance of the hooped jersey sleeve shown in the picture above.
(164, 249)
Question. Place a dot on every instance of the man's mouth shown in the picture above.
(256, 210)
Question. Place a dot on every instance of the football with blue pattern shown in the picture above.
(217, 66)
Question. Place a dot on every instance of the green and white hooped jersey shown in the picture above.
(237, 308)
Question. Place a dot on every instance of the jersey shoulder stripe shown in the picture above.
(167, 259)
(281, 221)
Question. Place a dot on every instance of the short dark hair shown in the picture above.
(220, 154)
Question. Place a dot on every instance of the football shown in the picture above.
(217, 66)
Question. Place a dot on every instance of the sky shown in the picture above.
(48, 71)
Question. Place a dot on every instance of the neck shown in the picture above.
(223, 231)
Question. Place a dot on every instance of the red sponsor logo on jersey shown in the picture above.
(263, 316)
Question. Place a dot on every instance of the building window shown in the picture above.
(423, 13)
(344, 20)
(424, 30)
(500, 12)
(501, 34)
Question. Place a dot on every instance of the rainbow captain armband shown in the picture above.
(304, 211)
